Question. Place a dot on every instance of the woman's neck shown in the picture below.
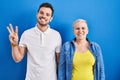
(81, 42)
(81, 45)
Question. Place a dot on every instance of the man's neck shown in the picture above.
(42, 28)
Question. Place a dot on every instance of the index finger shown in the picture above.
(8, 29)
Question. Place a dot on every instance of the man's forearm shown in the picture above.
(16, 54)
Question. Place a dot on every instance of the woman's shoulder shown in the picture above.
(95, 47)
(94, 44)
(67, 44)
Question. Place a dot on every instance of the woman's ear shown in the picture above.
(87, 32)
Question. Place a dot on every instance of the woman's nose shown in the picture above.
(80, 30)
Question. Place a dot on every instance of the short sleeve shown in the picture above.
(23, 40)
(59, 42)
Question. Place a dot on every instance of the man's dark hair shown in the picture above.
(48, 5)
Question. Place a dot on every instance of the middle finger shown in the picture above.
(11, 28)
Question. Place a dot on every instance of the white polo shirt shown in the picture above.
(41, 46)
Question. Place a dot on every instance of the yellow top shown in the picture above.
(83, 66)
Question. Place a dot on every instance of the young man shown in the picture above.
(42, 43)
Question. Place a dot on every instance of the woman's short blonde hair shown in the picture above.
(79, 20)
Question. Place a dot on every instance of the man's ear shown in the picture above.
(36, 14)
(51, 19)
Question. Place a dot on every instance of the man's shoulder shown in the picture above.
(54, 32)
(29, 30)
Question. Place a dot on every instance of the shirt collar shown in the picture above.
(39, 31)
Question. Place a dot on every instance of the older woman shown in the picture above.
(81, 59)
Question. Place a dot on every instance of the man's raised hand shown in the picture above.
(13, 36)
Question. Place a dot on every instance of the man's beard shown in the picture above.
(42, 25)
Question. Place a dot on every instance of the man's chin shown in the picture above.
(43, 24)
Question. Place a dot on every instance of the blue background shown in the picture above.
(103, 20)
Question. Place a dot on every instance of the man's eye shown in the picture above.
(41, 12)
(47, 14)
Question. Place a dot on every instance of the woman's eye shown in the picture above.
(77, 28)
(83, 28)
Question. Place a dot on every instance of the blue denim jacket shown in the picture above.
(66, 61)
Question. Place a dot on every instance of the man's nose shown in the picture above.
(43, 15)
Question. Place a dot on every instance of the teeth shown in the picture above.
(42, 19)
(79, 34)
